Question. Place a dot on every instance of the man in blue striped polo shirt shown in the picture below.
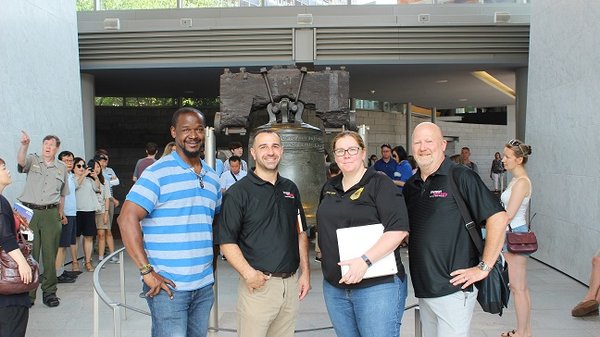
(175, 200)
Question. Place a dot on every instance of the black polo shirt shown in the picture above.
(262, 219)
(375, 199)
(439, 242)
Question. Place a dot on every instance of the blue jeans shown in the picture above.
(374, 311)
(186, 315)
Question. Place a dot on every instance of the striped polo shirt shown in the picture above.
(178, 227)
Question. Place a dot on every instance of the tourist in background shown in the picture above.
(87, 186)
(496, 171)
(403, 168)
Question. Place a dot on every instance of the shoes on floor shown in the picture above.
(64, 278)
(51, 300)
(89, 266)
(587, 308)
(71, 274)
(114, 259)
(317, 259)
(508, 334)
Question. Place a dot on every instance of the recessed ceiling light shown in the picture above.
(441, 81)
(372, 91)
(463, 100)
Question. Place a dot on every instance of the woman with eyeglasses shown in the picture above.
(105, 238)
(403, 169)
(359, 306)
(87, 185)
(516, 201)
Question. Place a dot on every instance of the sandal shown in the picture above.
(508, 334)
(51, 300)
(76, 270)
(89, 266)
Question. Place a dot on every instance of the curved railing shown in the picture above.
(116, 306)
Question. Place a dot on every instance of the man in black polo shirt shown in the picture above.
(262, 234)
(444, 264)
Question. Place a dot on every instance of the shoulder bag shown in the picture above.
(10, 279)
(494, 291)
(522, 242)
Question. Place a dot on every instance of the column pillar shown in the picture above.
(521, 75)
(409, 127)
(88, 114)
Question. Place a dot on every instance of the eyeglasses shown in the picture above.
(80, 166)
(353, 151)
(199, 176)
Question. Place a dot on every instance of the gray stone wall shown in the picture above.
(562, 127)
(39, 79)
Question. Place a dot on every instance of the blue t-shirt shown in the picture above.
(178, 227)
(403, 172)
(71, 199)
(388, 168)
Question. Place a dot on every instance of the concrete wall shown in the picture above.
(562, 127)
(39, 79)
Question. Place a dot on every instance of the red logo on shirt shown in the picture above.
(288, 195)
(438, 194)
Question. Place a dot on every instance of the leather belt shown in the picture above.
(32, 206)
(282, 275)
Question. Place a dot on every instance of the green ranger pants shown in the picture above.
(46, 228)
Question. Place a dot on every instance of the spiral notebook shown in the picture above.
(355, 241)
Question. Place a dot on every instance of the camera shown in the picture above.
(27, 235)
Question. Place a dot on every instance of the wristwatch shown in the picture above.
(483, 266)
(367, 261)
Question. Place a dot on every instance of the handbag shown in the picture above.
(10, 278)
(521, 242)
(494, 291)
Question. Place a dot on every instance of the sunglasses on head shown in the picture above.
(517, 143)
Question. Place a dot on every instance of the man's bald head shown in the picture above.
(428, 146)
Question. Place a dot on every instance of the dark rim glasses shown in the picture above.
(353, 151)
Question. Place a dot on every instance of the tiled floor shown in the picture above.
(553, 295)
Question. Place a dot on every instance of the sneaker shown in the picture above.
(71, 274)
(51, 300)
(317, 259)
(63, 278)
(114, 259)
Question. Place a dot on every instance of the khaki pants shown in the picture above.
(270, 311)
